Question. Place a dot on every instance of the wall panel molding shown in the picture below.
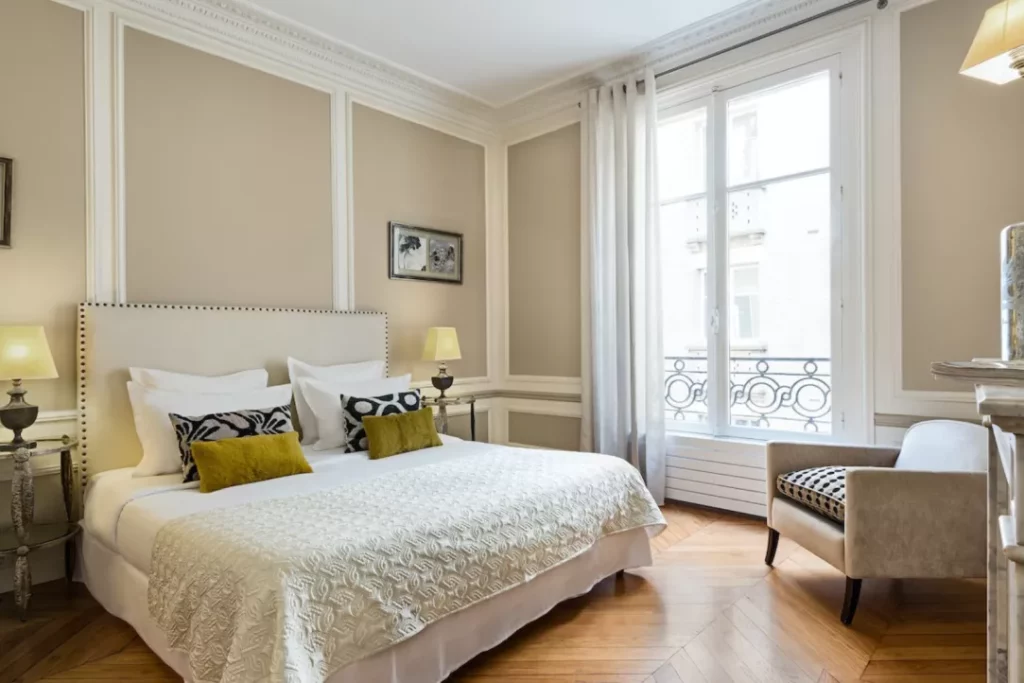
(242, 25)
(224, 30)
(887, 222)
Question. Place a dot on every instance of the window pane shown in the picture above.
(682, 156)
(684, 269)
(780, 305)
(779, 132)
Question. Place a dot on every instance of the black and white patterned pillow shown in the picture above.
(822, 489)
(231, 425)
(358, 407)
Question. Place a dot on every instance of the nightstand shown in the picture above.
(441, 419)
(26, 537)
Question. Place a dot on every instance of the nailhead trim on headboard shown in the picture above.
(83, 308)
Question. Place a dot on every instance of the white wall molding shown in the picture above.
(497, 296)
(341, 198)
(502, 406)
(692, 42)
(240, 24)
(468, 386)
(886, 247)
(102, 250)
(220, 29)
(554, 386)
(549, 122)
(533, 407)
(512, 136)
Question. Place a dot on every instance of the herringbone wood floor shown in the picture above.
(708, 611)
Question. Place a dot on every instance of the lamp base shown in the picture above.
(17, 416)
(442, 381)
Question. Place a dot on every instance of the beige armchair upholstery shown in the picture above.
(915, 512)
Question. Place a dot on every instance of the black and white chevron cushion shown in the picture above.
(358, 407)
(822, 489)
(226, 426)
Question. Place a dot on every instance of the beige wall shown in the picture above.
(412, 174)
(228, 181)
(544, 254)
(547, 431)
(42, 127)
(459, 425)
(962, 148)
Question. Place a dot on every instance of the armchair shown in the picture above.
(914, 512)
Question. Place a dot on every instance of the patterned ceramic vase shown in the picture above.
(1012, 292)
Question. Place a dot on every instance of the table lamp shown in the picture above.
(442, 346)
(997, 55)
(24, 354)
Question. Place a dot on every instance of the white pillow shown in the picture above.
(152, 409)
(297, 370)
(325, 400)
(178, 381)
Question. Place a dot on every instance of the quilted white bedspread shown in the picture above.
(294, 588)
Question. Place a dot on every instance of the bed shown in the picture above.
(396, 570)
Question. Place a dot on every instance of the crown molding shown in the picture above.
(697, 40)
(245, 26)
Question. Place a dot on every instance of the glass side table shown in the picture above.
(441, 419)
(24, 536)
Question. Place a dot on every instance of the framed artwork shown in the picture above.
(424, 254)
(6, 173)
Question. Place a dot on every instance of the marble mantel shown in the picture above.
(999, 396)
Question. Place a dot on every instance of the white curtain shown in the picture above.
(623, 399)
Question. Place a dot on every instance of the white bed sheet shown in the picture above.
(126, 513)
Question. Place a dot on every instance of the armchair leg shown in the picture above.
(850, 600)
(773, 545)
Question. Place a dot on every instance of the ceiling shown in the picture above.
(496, 51)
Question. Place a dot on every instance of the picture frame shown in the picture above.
(425, 254)
(6, 183)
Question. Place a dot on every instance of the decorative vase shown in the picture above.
(1012, 291)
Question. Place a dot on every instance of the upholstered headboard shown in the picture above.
(206, 340)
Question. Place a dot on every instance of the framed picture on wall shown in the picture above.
(424, 254)
(6, 173)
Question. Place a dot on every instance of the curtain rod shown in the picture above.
(881, 4)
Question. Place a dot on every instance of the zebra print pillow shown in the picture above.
(358, 407)
(226, 426)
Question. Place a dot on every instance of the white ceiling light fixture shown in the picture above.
(997, 55)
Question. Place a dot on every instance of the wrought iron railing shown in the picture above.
(792, 394)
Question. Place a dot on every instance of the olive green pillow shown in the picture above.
(393, 434)
(248, 459)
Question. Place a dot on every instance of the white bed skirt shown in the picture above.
(429, 656)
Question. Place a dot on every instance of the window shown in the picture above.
(750, 221)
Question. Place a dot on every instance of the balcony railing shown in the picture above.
(787, 394)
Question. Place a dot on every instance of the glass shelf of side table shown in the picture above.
(441, 418)
(24, 536)
(39, 536)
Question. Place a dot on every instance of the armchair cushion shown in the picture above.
(944, 446)
(782, 457)
(822, 489)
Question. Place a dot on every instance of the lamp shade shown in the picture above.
(442, 344)
(24, 354)
(997, 55)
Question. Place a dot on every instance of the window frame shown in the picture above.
(842, 55)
